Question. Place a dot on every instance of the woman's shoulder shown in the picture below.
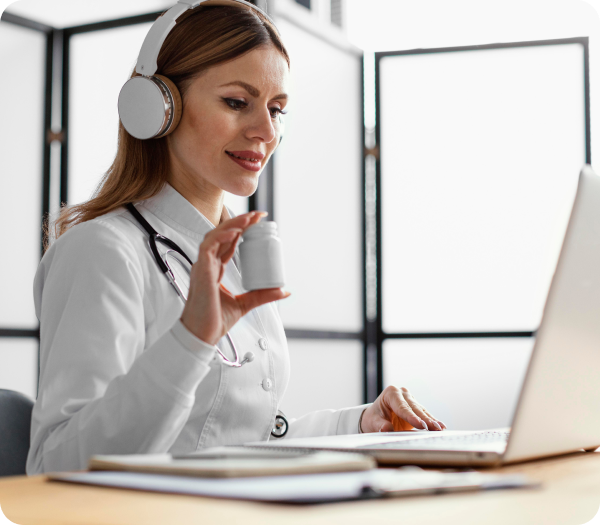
(92, 257)
(112, 232)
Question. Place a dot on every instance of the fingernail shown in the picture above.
(425, 427)
(436, 424)
(287, 294)
(261, 213)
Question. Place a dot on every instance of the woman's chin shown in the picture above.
(243, 188)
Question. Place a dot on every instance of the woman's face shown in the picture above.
(230, 110)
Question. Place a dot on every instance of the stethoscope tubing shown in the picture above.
(153, 238)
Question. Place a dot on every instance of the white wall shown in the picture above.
(68, 13)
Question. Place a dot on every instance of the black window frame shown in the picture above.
(376, 334)
(10, 332)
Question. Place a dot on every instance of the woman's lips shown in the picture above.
(246, 164)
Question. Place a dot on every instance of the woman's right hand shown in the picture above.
(211, 310)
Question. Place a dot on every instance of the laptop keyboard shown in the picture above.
(440, 441)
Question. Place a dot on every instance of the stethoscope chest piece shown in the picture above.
(281, 426)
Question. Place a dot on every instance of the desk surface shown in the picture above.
(570, 496)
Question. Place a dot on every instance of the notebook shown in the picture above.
(235, 462)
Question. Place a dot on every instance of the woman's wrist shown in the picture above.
(192, 343)
(193, 328)
(191, 335)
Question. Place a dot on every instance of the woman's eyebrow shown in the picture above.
(252, 90)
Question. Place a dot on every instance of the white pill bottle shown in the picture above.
(261, 257)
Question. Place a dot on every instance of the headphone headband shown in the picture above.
(146, 63)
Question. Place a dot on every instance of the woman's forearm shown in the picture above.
(142, 411)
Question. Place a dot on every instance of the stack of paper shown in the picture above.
(310, 488)
(293, 476)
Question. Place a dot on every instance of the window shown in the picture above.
(480, 152)
(336, 13)
(23, 56)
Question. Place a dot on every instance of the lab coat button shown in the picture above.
(262, 342)
(267, 384)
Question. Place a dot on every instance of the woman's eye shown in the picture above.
(275, 112)
(235, 104)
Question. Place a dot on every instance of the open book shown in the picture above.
(235, 462)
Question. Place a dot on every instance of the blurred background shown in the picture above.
(436, 146)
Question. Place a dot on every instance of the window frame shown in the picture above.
(9, 332)
(374, 328)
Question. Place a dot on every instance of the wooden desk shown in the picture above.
(570, 496)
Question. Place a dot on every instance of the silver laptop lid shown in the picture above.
(559, 406)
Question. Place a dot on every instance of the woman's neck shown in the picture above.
(208, 201)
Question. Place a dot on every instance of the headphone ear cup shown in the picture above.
(177, 104)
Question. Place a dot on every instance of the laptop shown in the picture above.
(558, 411)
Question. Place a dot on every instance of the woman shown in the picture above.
(126, 367)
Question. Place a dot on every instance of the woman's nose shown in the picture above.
(263, 127)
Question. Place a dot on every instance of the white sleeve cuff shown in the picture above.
(360, 422)
(349, 417)
(199, 348)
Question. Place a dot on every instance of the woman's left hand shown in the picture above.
(396, 410)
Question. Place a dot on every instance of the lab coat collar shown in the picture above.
(174, 209)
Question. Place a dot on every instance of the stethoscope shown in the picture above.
(281, 424)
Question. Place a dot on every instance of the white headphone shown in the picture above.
(150, 105)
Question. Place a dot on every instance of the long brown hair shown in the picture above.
(202, 38)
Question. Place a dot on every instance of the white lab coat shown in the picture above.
(120, 374)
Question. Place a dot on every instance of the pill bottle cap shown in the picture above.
(261, 229)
